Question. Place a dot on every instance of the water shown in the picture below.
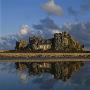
(45, 76)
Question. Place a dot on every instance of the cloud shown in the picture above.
(52, 8)
(56, 31)
(45, 24)
(24, 30)
(81, 32)
(8, 42)
(47, 27)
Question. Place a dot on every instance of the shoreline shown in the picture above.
(42, 56)
(46, 61)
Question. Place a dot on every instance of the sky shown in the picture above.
(15, 13)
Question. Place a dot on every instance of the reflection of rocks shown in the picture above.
(64, 70)
(60, 70)
(22, 71)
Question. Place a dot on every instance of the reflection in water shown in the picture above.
(45, 76)
(60, 70)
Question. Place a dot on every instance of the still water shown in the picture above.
(45, 76)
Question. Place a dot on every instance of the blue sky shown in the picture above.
(15, 13)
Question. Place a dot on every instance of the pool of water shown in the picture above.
(45, 76)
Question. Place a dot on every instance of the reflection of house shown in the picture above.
(44, 65)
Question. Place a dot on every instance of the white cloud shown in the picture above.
(52, 8)
(24, 30)
(46, 28)
(67, 25)
(56, 31)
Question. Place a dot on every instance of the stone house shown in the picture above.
(44, 46)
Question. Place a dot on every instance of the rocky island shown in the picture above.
(61, 42)
(61, 46)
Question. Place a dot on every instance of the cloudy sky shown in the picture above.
(15, 13)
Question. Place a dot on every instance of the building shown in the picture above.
(37, 43)
(44, 47)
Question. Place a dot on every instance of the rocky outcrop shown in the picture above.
(61, 42)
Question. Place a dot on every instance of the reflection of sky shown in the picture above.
(23, 75)
(81, 79)
(7, 67)
(10, 81)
